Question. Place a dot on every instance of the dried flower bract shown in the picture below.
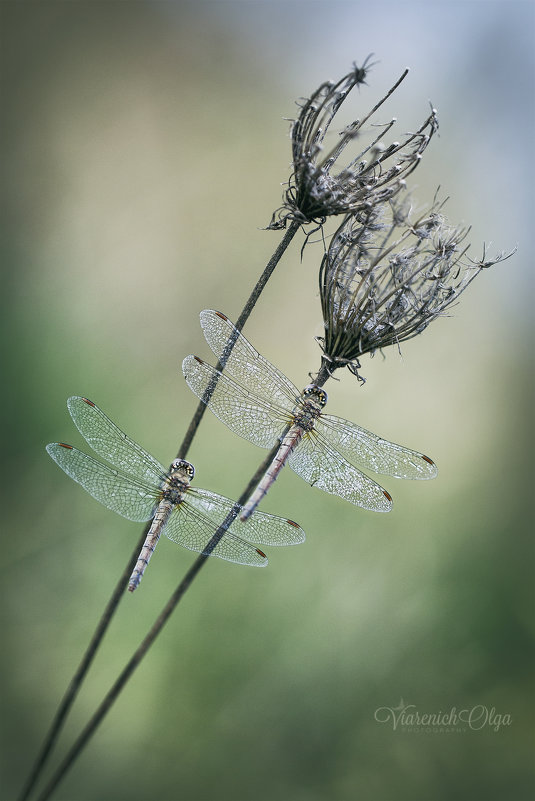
(385, 277)
(318, 187)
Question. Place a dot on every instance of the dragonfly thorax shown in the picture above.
(309, 409)
(177, 481)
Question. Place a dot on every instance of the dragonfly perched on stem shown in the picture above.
(139, 488)
(258, 402)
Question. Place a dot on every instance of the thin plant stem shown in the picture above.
(242, 319)
(79, 675)
(111, 607)
(157, 626)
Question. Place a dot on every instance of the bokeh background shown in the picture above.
(144, 144)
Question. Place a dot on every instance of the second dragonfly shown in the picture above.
(258, 402)
(138, 487)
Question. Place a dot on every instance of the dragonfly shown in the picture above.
(256, 401)
(138, 487)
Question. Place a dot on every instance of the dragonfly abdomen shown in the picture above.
(164, 509)
(288, 444)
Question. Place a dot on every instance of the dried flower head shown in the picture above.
(385, 278)
(318, 187)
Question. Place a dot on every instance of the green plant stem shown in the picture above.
(113, 603)
(157, 626)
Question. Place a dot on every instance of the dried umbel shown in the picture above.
(318, 187)
(386, 277)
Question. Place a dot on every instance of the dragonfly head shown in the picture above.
(314, 393)
(183, 467)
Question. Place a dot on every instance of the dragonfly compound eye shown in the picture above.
(184, 467)
(322, 397)
(318, 394)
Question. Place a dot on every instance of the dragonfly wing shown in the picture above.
(263, 528)
(246, 414)
(109, 441)
(327, 470)
(244, 364)
(367, 450)
(188, 526)
(129, 497)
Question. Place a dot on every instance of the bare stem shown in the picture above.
(242, 319)
(78, 677)
(157, 626)
(113, 603)
(324, 373)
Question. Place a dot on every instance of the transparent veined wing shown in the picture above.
(192, 529)
(106, 439)
(262, 528)
(367, 450)
(324, 468)
(244, 364)
(248, 415)
(128, 496)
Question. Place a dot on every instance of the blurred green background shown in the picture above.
(144, 145)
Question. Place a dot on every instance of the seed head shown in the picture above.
(385, 278)
(318, 187)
